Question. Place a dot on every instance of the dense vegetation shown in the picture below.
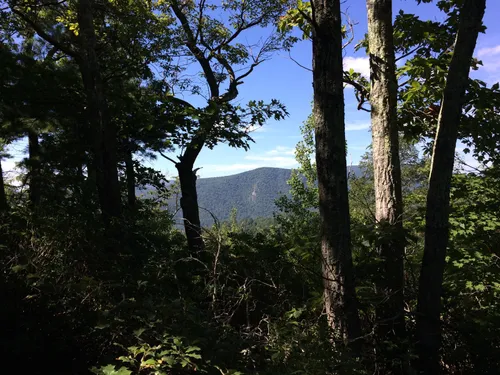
(386, 272)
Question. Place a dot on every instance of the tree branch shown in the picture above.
(195, 50)
(48, 38)
(166, 157)
(408, 53)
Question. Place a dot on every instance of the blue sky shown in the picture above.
(282, 79)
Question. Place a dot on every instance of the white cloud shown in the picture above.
(273, 161)
(492, 65)
(489, 51)
(354, 127)
(279, 157)
(358, 64)
(281, 150)
(490, 56)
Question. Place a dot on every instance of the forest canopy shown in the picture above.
(393, 269)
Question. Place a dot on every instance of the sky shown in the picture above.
(281, 78)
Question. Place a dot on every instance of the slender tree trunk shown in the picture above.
(4, 205)
(34, 168)
(129, 168)
(438, 196)
(105, 131)
(388, 194)
(189, 205)
(339, 293)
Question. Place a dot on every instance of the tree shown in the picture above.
(84, 54)
(330, 141)
(83, 33)
(438, 196)
(4, 204)
(215, 46)
(98, 114)
(387, 180)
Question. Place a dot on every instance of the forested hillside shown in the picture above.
(252, 194)
(317, 270)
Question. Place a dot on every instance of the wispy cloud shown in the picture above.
(273, 161)
(490, 56)
(358, 64)
(281, 150)
(489, 51)
(354, 127)
(279, 157)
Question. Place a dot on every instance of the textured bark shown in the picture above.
(438, 196)
(339, 292)
(4, 205)
(34, 169)
(387, 180)
(129, 170)
(104, 130)
(189, 205)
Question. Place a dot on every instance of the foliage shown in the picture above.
(77, 300)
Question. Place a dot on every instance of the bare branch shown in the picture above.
(350, 24)
(166, 157)
(299, 64)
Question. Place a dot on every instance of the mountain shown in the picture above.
(252, 193)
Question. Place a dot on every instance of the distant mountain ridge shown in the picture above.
(252, 193)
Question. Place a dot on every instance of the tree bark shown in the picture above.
(189, 203)
(388, 194)
(438, 196)
(4, 205)
(129, 170)
(34, 168)
(105, 131)
(339, 293)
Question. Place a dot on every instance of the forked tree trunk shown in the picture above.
(438, 196)
(104, 130)
(339, 293)
(388, 195)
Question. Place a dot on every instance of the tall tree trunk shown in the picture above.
(4, 205)
(189, 205)
(388, 194)
(34, 164)
(129, 169)
(105, 131)
(438, 196)
(339, 293)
